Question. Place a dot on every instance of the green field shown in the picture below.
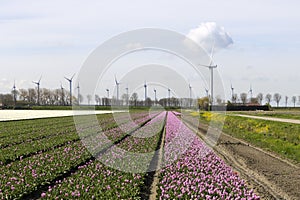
(285, 114)
(278, 137)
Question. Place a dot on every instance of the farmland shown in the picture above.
(46, 159)
(265, 152)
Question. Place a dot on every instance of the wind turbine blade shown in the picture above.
(212, 54)
(116, 81)
(73, 76)
(40, 79)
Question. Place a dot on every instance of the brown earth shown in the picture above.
(270, 176)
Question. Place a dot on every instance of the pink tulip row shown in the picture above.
(194, 171)
(25, 175)
(96, 180)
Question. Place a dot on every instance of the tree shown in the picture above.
(243, 98)
(97, 99)
(234, 98)
(277, 98)
(148, 102)
(286, 100)
(203, 103)
(260, 97)
(23, 94)
(219, 100)
(268, 98)
(125, 98)
(134, 98)
(294, 99)
(89, 98)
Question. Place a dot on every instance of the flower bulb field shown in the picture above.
(149, 155)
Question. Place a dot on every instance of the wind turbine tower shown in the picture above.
(211, 68)
(232, 93)
(117, 84)
(169, 93)
(70, 82)
(145, 86)
(62, 94)
(15, 94)
(155, 99)
(127, 95)
(251, 92)
(190, 87)
(38, 89)
(78, 93)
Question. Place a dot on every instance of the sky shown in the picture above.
(255, 42)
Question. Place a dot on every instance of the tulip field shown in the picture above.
(47, 159)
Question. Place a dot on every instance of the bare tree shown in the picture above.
(260, 98)
(294, 99)
(97, 99)
(286, 100)
(89, 98)
(219, 99)
(124, 97)
(243, 97)
(268, 98)
(277, 98)
(134, 98)
(234, 98)
(23, 94)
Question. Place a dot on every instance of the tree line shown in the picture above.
(31, 96)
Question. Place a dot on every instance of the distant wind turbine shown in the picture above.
(15, 93)
(70, 82)
(117, 84)
(211, 67)
(232, 92)
(107, 90)
(78, 93)
(169, 92)
(38, 88)
(127, 95)
(62, 94)
(251, 92)
(145, 86)
(190, 87)
(155, 99)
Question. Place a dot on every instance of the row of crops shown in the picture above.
(47, 159)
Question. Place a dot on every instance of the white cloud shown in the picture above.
(209, 34)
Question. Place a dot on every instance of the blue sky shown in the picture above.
(53, 38)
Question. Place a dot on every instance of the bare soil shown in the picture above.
(270, 176)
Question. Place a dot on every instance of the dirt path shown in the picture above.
(294, 121)
(271, 177)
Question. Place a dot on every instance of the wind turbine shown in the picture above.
(107, 90)
(206, 91)
(78, 93)
(211, 68)
(117, 84)
(251, 92)
(127, 93)
(155, 99)
(169, 92)
(190, 87)
(15, 94)
(62, 94)
(145, 86)
(232, 92)
(70, 81)
(38, 88)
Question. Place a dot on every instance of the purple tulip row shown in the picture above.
(96, 180)
(194, 171)
(26, 174)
